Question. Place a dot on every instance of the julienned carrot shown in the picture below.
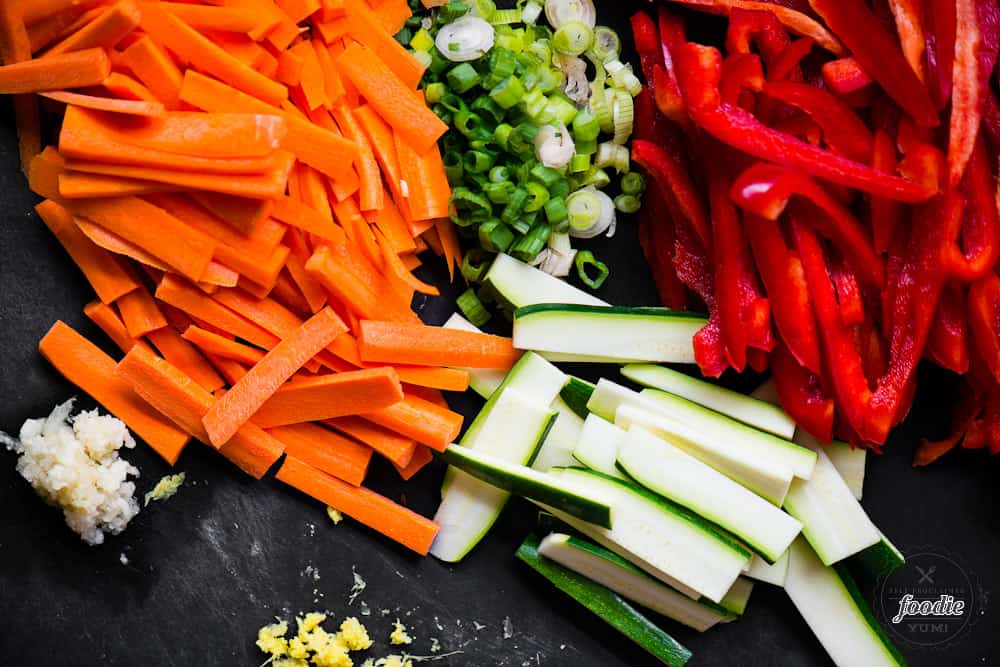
(187, 298)
(333, 84)
(325, 450)
(71, 70)
(244, 214)
(104, 31)
(140, 313)
(194, 215)
(232, 19)
(375, 511)
(154, 68)
(267, 185)
(421, 457)
(371, 196)
(109, 277)
(416, 418)
(313, 191)
(185, 358)
(312, 83)
(249, 394)
(288, 294)
(319, 148)
(312, 291)
(119, 246)
(394, 447)
(449, 243)
(38, 10)
(90, 369)
(390, 222)
(332, 31)
(366, 27)
(298, 10)
(391, 98)
(125, 87)
(129, 107)
(399, 271)
(107, 319)
(57, 27)
(160, 233)
(184, 402)
(203, 54)
(329, 396)
(347, 288)
(44, 171)
(220, 346)
(428, 191)
(78, 185)
(233, 371)
(15, 47)
(411, 261)
(448, 379)
(290, 68)
(422, 345)
(264, 312)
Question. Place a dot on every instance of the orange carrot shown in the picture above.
(290, 66)
(419, 344)
(196, 216)
(185, 358)
(375, 511)
(366, 27)
(325, 450)
(233, 371)
(331, 78)
(207, 57)
(160, 233)
(109, 277)
(187, 298)
(242, 213)
(383, 144)
(370, 196)
(246, 397)
(344, 285)
(266, 313)
(107, 319)
(256, 186)
(332, 30)
(86, 366)
(396, 448)
(397, 269)
(312, 81)
(232, 19)
(288, 294)
(140, 313)
(448, 379)
(78, 185)
(155, 69)
(421, 457)
(428, 195)
(391, 98)
(220, 346)
(298, 10)
(330, 396)
(317, 147)
(312, 190)
(449, 241)
(72, 70)
(131, 107)
(184, 402)
(393, 14)
(416, 418)
(312, 291)
(39, 10)
(411, 262)
(125, 87)
(390, 222)
(104, 31)
(15, 47)
(44, 171)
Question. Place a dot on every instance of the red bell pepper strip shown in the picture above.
(787, 65)
(852, 307)
(801, 394)
(673, 180)
(991, 118)
(845, 133)
(667, 91)
(761, 28)
(966, 96)
(742, 75)
(845, 75)
(940, 53)
(879, 54)
(801, 126)
(781, 270)
(980, 226)
(984, 321)
(701, 68)
(657, 236)
(766, 189)
(909, 28)
(885, 214)
(948, 340)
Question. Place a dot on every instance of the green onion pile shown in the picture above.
(533, 140)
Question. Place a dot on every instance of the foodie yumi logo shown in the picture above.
(930, 601)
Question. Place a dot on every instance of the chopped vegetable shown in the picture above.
(165, 489)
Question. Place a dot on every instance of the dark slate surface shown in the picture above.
(227, 554)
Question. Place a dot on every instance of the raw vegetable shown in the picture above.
(598, 445)
(557, 450)
(399, 343)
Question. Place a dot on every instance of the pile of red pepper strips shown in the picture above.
(826, 186)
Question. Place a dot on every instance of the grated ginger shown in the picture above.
(314, 646)
(165, 489)
(399, 634)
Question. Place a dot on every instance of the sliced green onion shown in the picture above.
(585, 126)
(520, 226)
(633, 183)
(528, 246)
(438, 63)
(623, 115)
(522, 139)
(563, 110)
(468, 38)
(627, 203)
(538, 196)
(610, 154)
(584, 209)
(579, 164)
(468, 207)
(499, 193)
(585, 259)
(494, 236)
(547, 176)
(468, 123)
(530, 12)
(404, 36)
(541, 52)
(501, 135)
(478, 162)
(499, 174)
(434, 91)
(606, 46)
(502, 62)
(474, 265)
(586, 147)
(560, 11)
(555, 210)
(560, 188)
(484, 9)
(451, 11)
(422, 40)
(514, 43)
(462, 78)
(422, 57)
(508, 93)
(515, 204)
(473, 308)
(600, 106)
(623, 77)
(597, 177)
(572, 38)
(506, 16)
(453, 168)
(452, 102)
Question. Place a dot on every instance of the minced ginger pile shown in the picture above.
(313, 645)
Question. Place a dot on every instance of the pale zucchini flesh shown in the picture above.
(483, 381)
(557, 450)
(770, 573)
(520, 284)
(737, 597)
(597, 446)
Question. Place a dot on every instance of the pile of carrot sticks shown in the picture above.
(247, 184)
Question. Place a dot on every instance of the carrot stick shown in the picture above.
(390, 222)
(375, 511)
(393, 14)
(160, 233)
(391, 98)
(55, 27)
(131, 107)
(78, 185)
(109, 277)
(344, 285)
(288, 294)
(312, 291)
(155, 69)
(72, 70)
(396, 448)
(249, 394)
(331, 9)
(220, 346)
(312, 189)
(383, 144)
(232, 19)
(38, 10)
(184, 402)
(107, 319)
(317, 147)
(290, 66)
(416, 418)
(448, 379)
(421, 457)
(185, 357)
(105, 31)
(196, 216)
(331, 78)
(419, 344)
(266, 313)
(232, 371)
(140, 313)
(366, 27)
(330, 396)
(397, 269)
(125, 87)
(207, 57)
(268, 185)
(332, 30)
(312, 81)
(182, 295)
(411, 262)
(325, 450)
(90, 369)
(371, 195)
(240, 212)
(298, 10)
(427, 188)
(44, 171)
(15, 47)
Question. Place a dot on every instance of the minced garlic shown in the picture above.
(399, 635)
